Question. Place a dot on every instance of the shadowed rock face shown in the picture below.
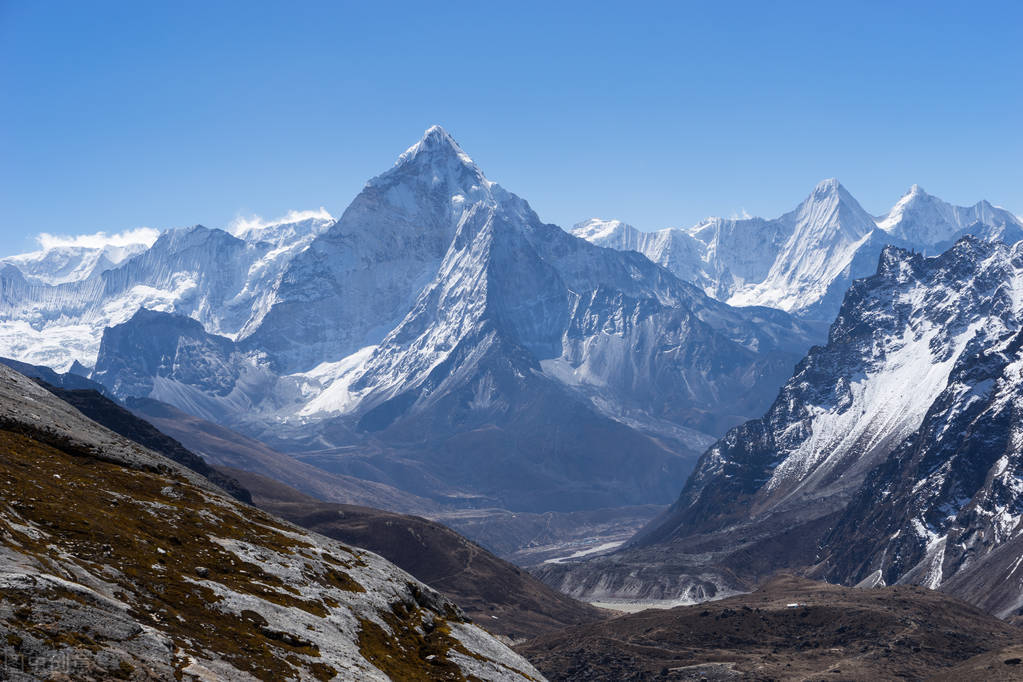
(121, 563)
(833, 632)
(71, 380)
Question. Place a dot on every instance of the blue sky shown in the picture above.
(118, 115)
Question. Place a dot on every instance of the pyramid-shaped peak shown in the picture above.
(831, 192)
(827, 188)
(831, 211)
(435, 144)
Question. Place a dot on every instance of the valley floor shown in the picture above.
(790, 629)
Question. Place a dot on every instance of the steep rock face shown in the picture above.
(889, 457)
(563, 303)
(804, 261)
(949, 497)
(171, 357)
(358, 279)
(889, 356)
(116, 562)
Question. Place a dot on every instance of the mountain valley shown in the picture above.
(797, 437)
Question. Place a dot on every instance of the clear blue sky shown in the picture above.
(116, 115)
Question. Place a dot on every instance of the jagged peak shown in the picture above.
(436, 142)
(891, 256)
(916, 193)
(830, 192)
(828, 189)
(144, 314)
(827, 186)
(831, 207)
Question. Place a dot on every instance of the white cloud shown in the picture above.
(743, 215)
(241, 225)
(138, 235)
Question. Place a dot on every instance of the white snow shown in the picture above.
(791, 262)
(330, 384)
(886, 404)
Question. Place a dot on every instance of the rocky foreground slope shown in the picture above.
(115, 562)
(500, 596)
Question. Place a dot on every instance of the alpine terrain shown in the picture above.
(890, 457)
(440, 350)
(437, 323)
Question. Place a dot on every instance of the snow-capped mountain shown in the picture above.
(69, 263)
(930, 225)
(359, 279)
(804, 261)
(439, 320)
(947, 502)
(892, 455)
(889, 356)
(51, 318)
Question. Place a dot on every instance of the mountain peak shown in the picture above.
(435, 143)
(828, 188)
(926, 221)
(915, 195)
(830, 192)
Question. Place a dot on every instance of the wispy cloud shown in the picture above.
(97, 240)
(743, 214)
(241, 225)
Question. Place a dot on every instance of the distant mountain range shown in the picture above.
(804, 261)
